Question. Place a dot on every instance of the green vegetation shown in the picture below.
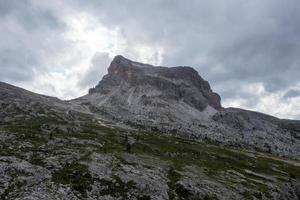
(173, 177)
(75, 174)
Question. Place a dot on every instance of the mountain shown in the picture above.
(179, 100)
(143, 132)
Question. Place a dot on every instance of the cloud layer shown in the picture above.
(248, 50)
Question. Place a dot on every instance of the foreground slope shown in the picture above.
(178, 100)
(46, 158)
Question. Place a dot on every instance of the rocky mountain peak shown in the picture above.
(117, 63)
(123, 67)
(169, 83)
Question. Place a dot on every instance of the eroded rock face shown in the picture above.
(168, 99)
(175, 83)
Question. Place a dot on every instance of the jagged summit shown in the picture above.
(176, 83)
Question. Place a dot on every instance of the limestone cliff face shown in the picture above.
(175, 83)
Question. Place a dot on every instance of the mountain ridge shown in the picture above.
(179, 100)
(173, 100)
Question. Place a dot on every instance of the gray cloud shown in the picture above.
(291, 94)
(29, 33)
(28, 15)
(16, 65)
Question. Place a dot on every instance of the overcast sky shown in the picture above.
(249, 51)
